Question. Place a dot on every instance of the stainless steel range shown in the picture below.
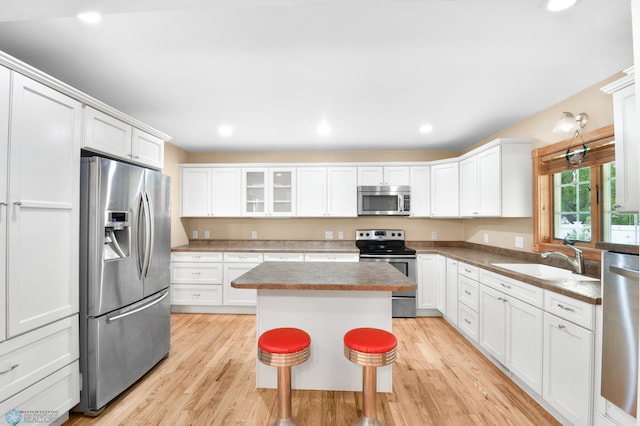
(387, 245)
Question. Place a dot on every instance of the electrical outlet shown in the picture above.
(434, 235)
(519, 241)
(207, 235)
(485, 238)
(254, 235)
(340, 235)
(328, 235)
(194, 234)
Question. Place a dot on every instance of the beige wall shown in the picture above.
(500, 232)
(173, 156)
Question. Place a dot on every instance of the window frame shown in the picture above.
(551, 159)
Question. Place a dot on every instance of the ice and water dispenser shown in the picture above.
(117, 235)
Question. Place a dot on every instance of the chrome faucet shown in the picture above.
(576, 263)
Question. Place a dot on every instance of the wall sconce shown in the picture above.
(573, 123)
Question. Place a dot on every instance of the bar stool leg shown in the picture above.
(369, 392)
(284, 398)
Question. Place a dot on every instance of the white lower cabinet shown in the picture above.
(511, 332)
(236, 264)
(196, 278)
(452, 291)
(568, 368)
(431, 277)
(331, 257)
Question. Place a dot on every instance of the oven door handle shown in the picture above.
(390, 257)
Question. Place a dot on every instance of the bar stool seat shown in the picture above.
(371, 348)
(283, 348)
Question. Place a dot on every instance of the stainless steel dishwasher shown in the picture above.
(620, 330)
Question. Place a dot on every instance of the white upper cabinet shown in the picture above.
(384, 175)
(496, 182)
(211, 191)
(420, 191)
(108, 135)
(444, 190)
(342, 192)
(268, 192)
(226, 191)
(327, 191)
(43, 202)
(196, 192)
(625, 124)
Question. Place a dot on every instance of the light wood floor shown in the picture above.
(209, 379)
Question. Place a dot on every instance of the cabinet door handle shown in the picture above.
(505, 285)
(468, 292)
(561, 327)
(13, 367)
(565, 308)
(467, 270)
(3, 203)
(17, 203)
(467, 321)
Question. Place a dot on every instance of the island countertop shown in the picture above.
(324, 276)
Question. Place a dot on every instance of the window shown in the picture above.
(576, 201)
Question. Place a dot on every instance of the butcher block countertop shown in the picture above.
(324, 276)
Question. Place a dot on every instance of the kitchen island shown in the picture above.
(326, 299)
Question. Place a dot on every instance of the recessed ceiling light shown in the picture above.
(324, 129)
(225, 131)
(426, 128)
(558, 5)
(90, 17)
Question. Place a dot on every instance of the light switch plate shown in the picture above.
(328, 235)
(194, 234)
(207, 235)
(519, 242)
(434, 235)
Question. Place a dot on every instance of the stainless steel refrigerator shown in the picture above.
(124, 277)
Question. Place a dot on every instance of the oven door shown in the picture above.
(403, 303)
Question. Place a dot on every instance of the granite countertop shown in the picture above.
(472, 254)
(586, 291)
(270, 246)
(324, 276)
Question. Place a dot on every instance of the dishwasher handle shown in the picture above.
(625, 272)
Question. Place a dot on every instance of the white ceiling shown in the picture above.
(374, 70)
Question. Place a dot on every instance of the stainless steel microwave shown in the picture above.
(384, 200)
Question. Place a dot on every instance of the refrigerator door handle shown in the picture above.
(144, 226)
(109, 320)
(150, 234)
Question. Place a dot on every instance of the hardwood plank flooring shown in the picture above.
(209, 379)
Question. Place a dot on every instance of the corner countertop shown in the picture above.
(324, 276)
(586, 291)
(473, 254)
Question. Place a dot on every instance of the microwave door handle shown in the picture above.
(400, 203)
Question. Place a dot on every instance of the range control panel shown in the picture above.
(380, 234)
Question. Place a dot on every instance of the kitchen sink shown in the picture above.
(544, 272)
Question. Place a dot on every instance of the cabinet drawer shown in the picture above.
(196, 273)
(243, 257)
(184, 294)
(523, 291)
(51, 397)
(32, 356)
(284, 257)
(468, 321)
(331, 257)
(468, 271)
(571, 309)
(196, 257)
(468, 292)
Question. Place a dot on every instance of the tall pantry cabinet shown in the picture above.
(40, 137)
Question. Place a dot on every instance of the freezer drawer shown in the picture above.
(124, 345)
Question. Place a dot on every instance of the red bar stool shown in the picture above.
(371, 348)
(284, 348)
